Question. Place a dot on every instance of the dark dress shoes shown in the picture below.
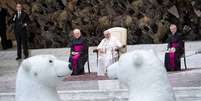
(25, 57)
(18, 58)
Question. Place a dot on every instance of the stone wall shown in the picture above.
(147, 21)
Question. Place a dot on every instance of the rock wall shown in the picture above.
(147, 21)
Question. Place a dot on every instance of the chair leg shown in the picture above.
(118, 54)
(88, 66)
(97, 60)
(185, 58)
(185, 62)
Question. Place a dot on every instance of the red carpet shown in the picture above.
(86, 77)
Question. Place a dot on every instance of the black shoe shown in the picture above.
(4, 48)
(18, 58)
(25, 57)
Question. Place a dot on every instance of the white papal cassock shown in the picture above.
(107, 54)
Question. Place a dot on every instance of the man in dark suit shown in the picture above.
(3, 14)
(20, 21)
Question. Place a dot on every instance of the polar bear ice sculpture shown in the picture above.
(145, 76)
(37, 78)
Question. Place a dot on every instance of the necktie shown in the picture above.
(19, 13)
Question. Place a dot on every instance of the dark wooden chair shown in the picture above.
(184, 55)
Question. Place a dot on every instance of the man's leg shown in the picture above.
(25, 45)
(178, 64)
(19, 50)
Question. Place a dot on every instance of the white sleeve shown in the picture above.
(14, 17)
(117, 43)
(101, 44)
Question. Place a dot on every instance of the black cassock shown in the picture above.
(172, 60)
(77, 61)
(3, 14)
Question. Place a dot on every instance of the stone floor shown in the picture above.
(89, 82)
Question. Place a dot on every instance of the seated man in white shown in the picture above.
(107, 52)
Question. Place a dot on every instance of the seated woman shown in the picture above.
(174, 51)
(78, 53)
(107, 52)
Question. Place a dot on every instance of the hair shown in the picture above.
(19, 3)
(173, 25)
(107, 31)
(76, 30)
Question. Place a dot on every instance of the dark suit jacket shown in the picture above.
(20, 23)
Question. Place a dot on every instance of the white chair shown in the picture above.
(120, 34)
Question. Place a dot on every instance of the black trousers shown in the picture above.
(22, 41)
(3, 38)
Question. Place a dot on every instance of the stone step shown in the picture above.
(182, 94)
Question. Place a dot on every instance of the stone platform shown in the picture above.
(186, 84)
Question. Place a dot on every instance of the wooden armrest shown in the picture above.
(95, 51)
(124, 46)
(118, 49)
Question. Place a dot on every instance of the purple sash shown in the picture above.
(172, 58)
(76, 57)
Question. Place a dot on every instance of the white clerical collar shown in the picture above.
(107, 38)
